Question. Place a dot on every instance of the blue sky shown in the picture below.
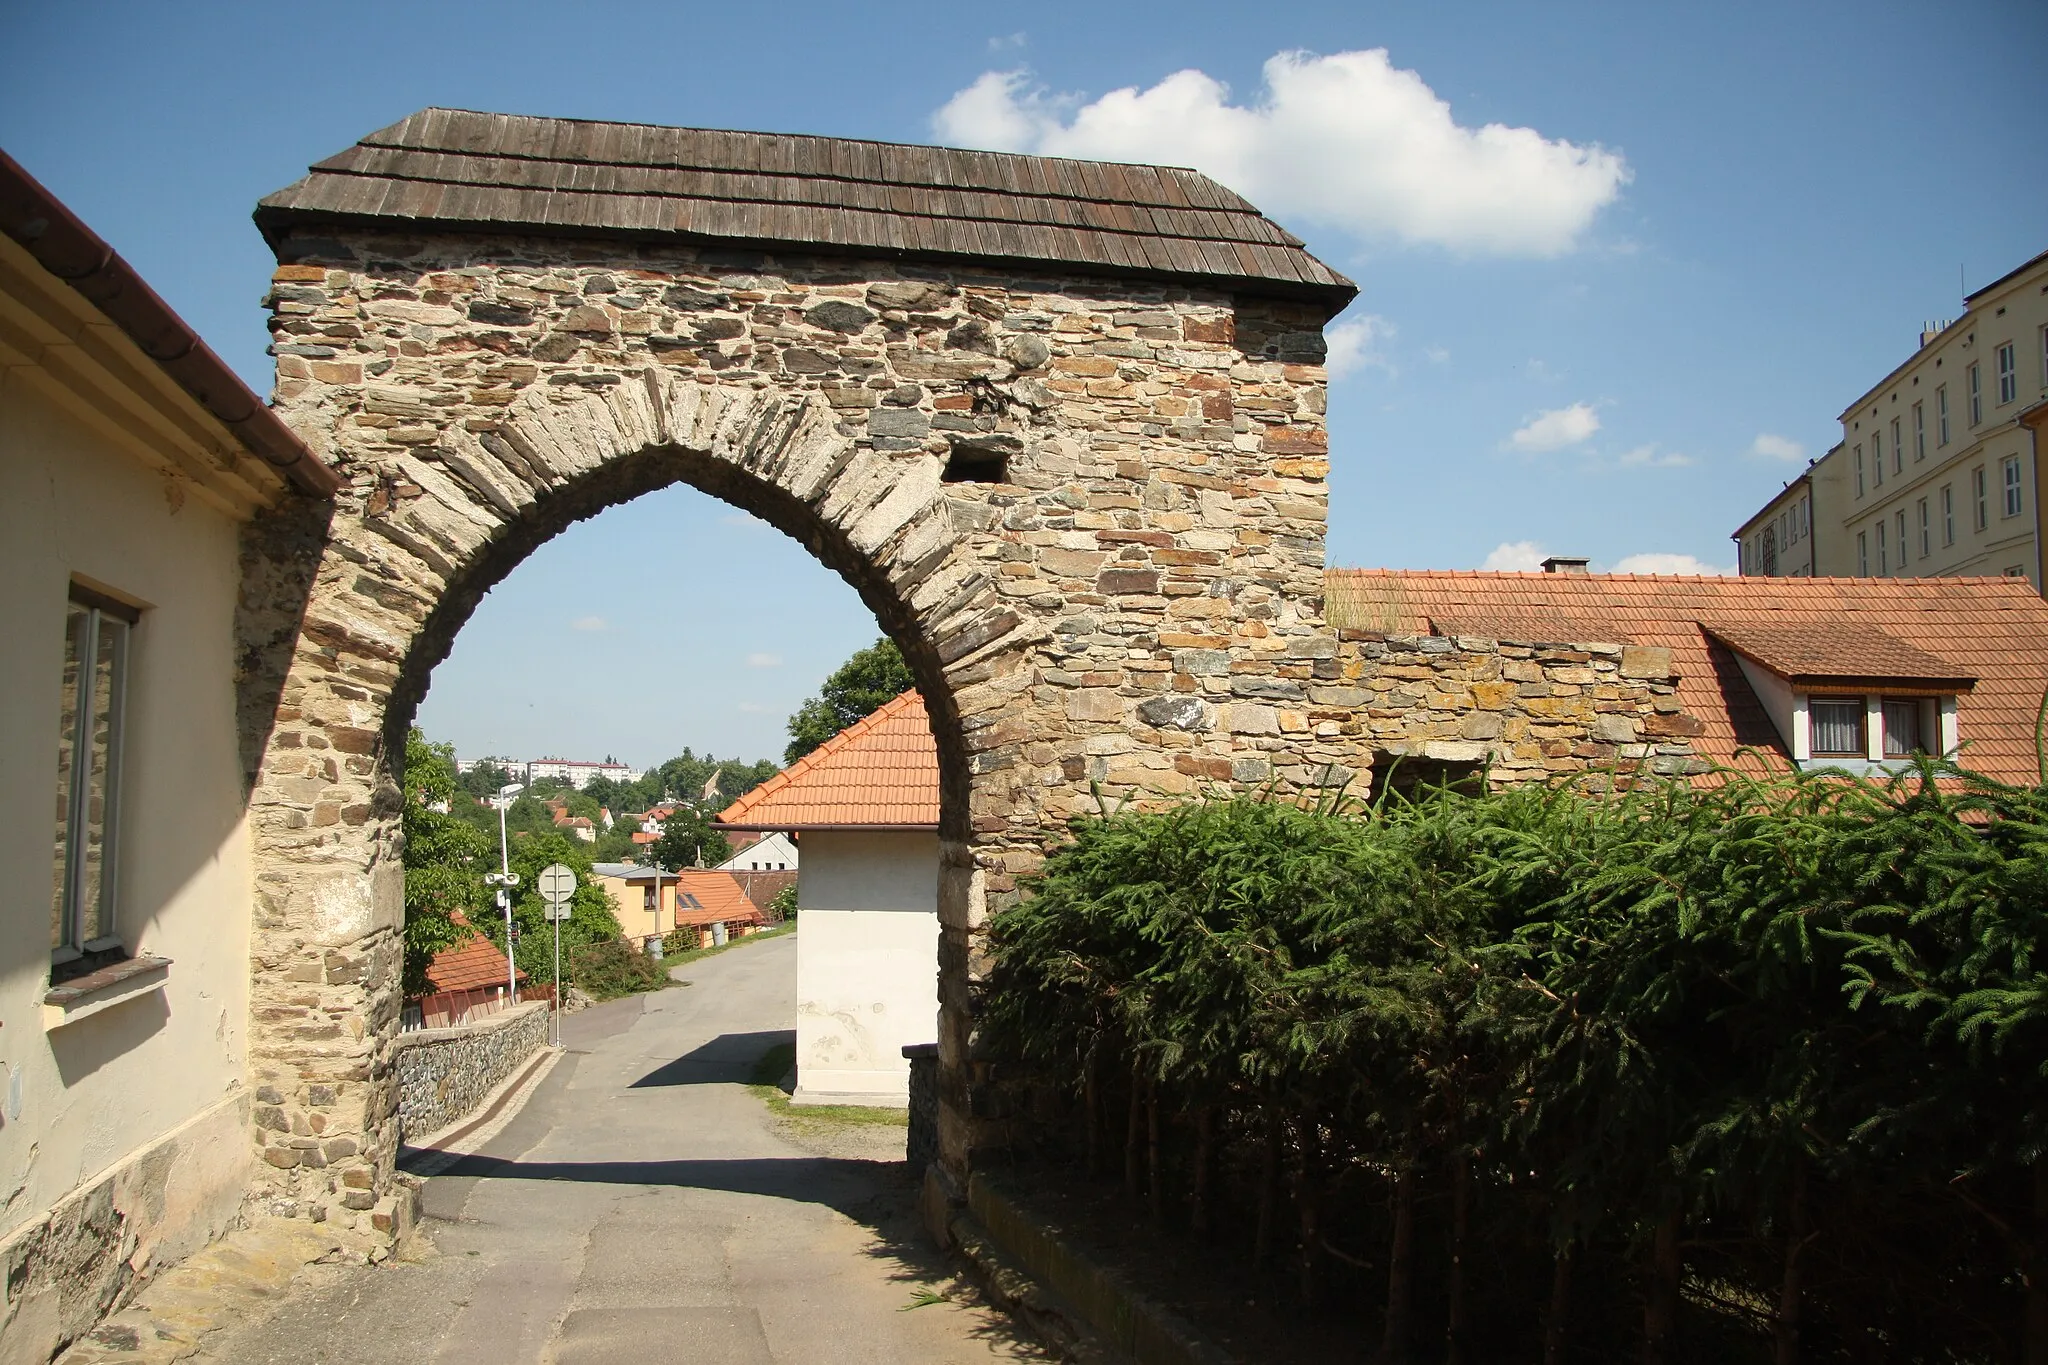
(1602, 330)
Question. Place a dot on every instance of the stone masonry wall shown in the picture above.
(445, 1073)
(1163, 496)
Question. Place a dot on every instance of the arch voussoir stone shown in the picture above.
(1156, 532)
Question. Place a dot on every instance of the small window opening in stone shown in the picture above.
(976, 466)
(1410, 777)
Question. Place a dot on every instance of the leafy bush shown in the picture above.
(612, 968)
(1761, 1059)
(783, 906)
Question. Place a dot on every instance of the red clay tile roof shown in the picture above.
(881, 771)
(706, 897)
(1992, 629)
(475, 962)
(1819, 653)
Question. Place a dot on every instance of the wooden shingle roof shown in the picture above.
(458, 170)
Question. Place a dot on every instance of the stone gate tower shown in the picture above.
(1060, 423)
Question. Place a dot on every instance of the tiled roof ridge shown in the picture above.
(888, 710)
(1539, 575)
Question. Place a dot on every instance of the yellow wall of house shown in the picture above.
(97, 1089)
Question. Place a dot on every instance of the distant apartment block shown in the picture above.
(575, 772)
(1938, 469)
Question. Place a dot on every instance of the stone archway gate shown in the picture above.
(1060, 423)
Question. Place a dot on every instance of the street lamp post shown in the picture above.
(505, 879)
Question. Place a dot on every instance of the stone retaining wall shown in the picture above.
(445, 1073)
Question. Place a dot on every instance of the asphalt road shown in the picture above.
(645, 1206)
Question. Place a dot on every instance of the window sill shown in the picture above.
(84, 996)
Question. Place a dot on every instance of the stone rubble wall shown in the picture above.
(445, 1073)
(97, 1247)
(1165, 493)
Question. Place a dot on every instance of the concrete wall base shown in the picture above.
(100, 1245)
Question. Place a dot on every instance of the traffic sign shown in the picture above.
(557, 887)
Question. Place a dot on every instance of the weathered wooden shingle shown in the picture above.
(459, 170)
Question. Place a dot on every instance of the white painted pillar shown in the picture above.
(1873, 727)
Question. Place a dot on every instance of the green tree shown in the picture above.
(592, 919)
(485, 778)
(445, 858)
(862, 685)
(685, 834)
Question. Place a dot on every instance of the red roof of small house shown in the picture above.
(471, 964)
(880, 772)
(1985, 639)
(707, 897)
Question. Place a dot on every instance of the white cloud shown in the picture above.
(1437, 355)
(1772, 447)
(1008, 40)
(1557, 428)
(589, 623)
(1355, 344)
(764, 661)
(1348, 141)
(1649, 457)
(1669, 564)
(1514, 556)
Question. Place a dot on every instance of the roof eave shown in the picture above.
(62, 244)
(788, 828)
(275, 222)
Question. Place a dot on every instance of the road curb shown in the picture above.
(441, 1150)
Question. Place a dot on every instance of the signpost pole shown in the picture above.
(558, 888)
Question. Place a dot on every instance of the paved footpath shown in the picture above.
(645, 1206)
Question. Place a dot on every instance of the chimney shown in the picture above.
(1565, 564)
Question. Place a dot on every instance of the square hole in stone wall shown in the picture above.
(1409, 776)
(966, 464)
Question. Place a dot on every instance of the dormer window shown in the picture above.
(1842, 695)
(1837, 726)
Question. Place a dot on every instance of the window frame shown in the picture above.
(1862, 555)
(1905, 543)
(1862, 709)
(1858, 460)
(1898, 449)
(1884, 558)
(2007, 356)
(1976, 392)
(1948, 514)
(1926, 532)
(1979, 487)
(1877, 459)
(72, 952)
(1940, 415)
(1919, 432)
(2012, 503)
(1886, 705)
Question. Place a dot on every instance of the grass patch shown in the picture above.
(766, 1082)
(677, 959)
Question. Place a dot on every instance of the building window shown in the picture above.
(1859, 471)
(1902, 537)
(1983, 503)
(1884, 561)
(1976, 394)
(83, 896)
(1941, 415)
(1898, 449)
(1862, 555)
(1926, 531)
(1919, 431)
(2009, 470)
(1877, 458)
(1948, 514)
(1837, 726)
(2008, 374)
(1902, 728)
(647, 898)
(2044, 358)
